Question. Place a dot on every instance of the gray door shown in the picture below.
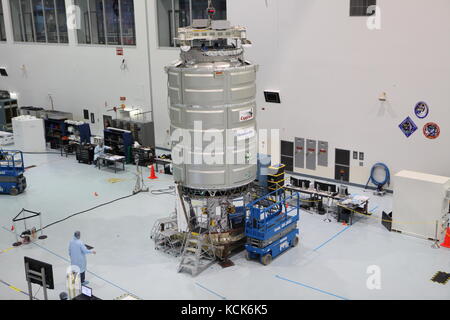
(342, 166)
(299, 153)
(322, 154)
(311, 149)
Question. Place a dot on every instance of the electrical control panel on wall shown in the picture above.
(299, 153)
(311, 149)
(322, 154)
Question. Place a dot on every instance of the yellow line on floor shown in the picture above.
(15, 289)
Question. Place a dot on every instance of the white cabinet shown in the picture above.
(29, 135)
(420, 203)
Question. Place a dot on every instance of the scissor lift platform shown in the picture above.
(12, 180)
(271, 226)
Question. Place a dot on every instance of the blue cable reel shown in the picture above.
(379, 184)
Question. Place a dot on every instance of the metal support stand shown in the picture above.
(436, 241)
(23, 217)
(39, 276)
(327, 218)
(18, 243)
(140, 184)
(42, 236)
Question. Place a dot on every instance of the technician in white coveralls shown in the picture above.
(77, 253)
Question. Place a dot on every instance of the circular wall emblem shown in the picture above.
(421, 110)
(431, 130)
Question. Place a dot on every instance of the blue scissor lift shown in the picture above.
(12, 180)
(271, 226)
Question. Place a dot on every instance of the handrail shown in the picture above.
(282, 201)
(11, 159)
(266, 196)
(262, 198)
(263, 224)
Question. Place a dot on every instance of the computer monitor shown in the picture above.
(86, 291)
(304, 183)
(37, 266)
(320, 186)
(300, 183)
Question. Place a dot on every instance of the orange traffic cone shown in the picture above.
(152, 173)
(446, 243)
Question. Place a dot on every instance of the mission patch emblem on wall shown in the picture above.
(421, 110)
(408, 127)
(431, 130)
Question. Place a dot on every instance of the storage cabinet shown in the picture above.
(29, 134)
(421, 204)
(85, 153)
(120, 141)
(55, 130)
(143, 131)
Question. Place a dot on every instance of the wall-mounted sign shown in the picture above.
(119, 51)
(246, 115)
(421, 110)
(431, 130)
(408, 127)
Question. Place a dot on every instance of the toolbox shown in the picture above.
(85, 153)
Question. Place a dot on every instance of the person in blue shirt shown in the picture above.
(77, 253)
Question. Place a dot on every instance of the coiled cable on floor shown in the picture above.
(169, 191)
(387, 177)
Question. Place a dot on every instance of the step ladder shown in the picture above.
(198, 254)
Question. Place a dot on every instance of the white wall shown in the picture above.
(78, 76)
(331, 69)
